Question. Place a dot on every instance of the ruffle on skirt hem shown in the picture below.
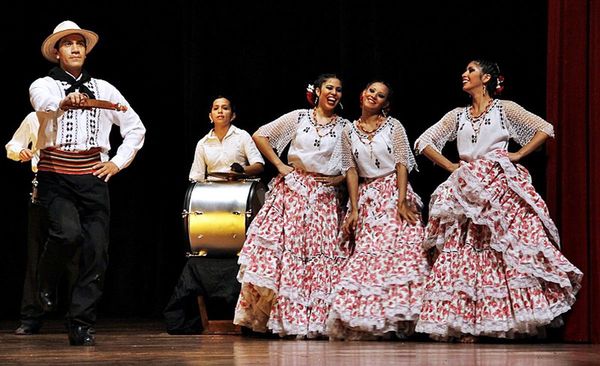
(498, 273)
(381, 286)
(291, 252)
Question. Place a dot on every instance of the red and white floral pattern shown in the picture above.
(381, 285)
(498, 272)
(291, 258)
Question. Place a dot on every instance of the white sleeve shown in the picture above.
(402, 152)
(131, 128)
(281, 131)
(347, 153)
(523, 124)
(251, 151)
(23, 137)
(45, 95)
(198, 170)
(440, 133)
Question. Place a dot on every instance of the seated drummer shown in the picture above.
(226, 148)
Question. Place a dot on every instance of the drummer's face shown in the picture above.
(221, 113)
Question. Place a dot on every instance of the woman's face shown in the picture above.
(375, 97)
(473, 79)
(221, 113)
(330, 93)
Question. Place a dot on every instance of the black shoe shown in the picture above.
(48, 300)
(26, 329)
(81, 335)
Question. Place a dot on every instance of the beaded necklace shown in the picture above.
(372, 132)
(366, 137)
(476, 121)
(323, 129)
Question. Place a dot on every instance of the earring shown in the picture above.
(384, 112)
(341, 106)
(484, 90)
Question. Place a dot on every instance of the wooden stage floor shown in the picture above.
(127, 342)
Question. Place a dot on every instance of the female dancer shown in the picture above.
(381, 286)
(291, 256)
(500, 271)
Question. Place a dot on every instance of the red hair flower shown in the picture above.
(310, 94)
(499, 84)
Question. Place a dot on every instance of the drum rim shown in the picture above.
(253, 189)
(186, 208)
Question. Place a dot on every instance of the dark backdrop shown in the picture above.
(169, 59)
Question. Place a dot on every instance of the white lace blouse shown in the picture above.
(376, 156)
(478, 136)
(314, 148)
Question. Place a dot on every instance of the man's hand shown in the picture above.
(74, 99)
(105, 170)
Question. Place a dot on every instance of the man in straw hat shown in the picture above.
(74, 169)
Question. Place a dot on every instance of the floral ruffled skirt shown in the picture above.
(381, 285)
(291, 258)
(499, 272)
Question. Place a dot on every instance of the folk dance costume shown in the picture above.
(213, 155)
(381, 285)
(499, 271)
(82, 130)
(291, 257)
(77, 202)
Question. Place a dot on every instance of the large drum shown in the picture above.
(217, 214)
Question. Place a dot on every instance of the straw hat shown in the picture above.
(62, 30)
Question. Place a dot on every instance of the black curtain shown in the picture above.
(170, 59)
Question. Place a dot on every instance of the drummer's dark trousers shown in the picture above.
(78, 216)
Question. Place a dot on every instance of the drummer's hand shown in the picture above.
(237, 167)
(284, 169)
(331, 181)
(105, 170)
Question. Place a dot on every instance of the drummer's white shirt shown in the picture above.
(213, 155)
